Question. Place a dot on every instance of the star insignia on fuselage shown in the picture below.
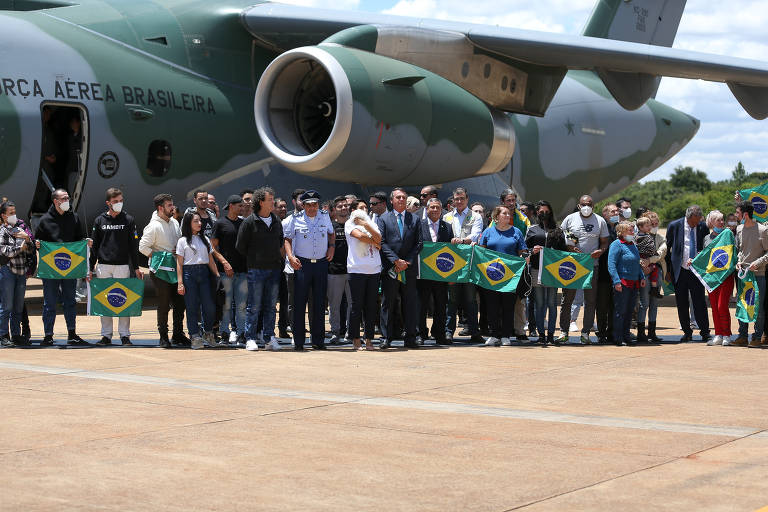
(570, 126)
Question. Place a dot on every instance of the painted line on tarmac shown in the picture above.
(402, 403)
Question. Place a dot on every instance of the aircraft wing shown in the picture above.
(539, 60)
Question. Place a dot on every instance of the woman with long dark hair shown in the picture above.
(545, 233)
(195, 267)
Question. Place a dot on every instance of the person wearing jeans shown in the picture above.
(15, 245)
(260, 242)
(627, 277)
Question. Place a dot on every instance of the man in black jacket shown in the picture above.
(59, 225)
(260, 240)
(434, 229)
(115, 248)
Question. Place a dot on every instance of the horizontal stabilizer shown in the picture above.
(630, 90)
(754, 99)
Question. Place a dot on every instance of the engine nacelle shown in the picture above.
(344, 114)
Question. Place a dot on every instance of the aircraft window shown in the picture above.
(159, 158)
(512, 85)
(487, 71)
(465, 69)
(504, 83)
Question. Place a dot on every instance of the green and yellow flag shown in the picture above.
(163, 265)
(561, 269)
(495, 270)
(748, 298)
(758, 196)
(439, 261)
(116, 297)
(716, 262)
(520, 221)
(63, 260)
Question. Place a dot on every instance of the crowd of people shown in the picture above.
(254, 272)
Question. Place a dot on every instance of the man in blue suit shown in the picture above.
(434, 229)
(685, 239)
(400, 246)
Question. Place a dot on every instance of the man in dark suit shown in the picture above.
(434, 229)
(685, 239)
(400, 246)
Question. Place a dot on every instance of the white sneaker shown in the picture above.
(251, 345)
(725, 341)
(196, 342)
(506, 342)
(573, 327)
(491, 341)
(273, 344)
(717, 340)
(233, 338)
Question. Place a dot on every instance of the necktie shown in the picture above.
(400, 223)
(692, 239)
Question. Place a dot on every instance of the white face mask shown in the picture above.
(614, 219)
(629, 238)
(654, 230)
(117, 207)
(626, 212)
(733, 223)
(64, 206)
(12, 220)
(586, 211)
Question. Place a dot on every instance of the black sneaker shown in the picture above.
(164, 341)
(47, 341)
(75, 340)
(5, 341)
(126, 341)
(20, 340)
(181, 339)
(104, 342)
(476, 338)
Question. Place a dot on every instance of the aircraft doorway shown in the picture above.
(63, 154)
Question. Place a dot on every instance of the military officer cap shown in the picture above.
(309, 196)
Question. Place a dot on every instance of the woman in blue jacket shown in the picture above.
(627, 278)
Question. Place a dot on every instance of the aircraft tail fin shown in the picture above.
(638, 21)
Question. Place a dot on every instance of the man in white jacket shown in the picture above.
(161, 235)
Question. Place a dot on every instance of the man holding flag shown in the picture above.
(434, 230)
(57, 226)
(115, 255)
(752, 244)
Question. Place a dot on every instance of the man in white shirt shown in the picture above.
(467, 229)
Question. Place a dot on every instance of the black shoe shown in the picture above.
(385, 344)
(25, 332)
(522, 337)
(47, 341)
(6, 342)
(652, 338)
(443, 342)
(104, 342)
(164, 341)
(641, 337)
(602, 340)
(298, 348)
(126, 341)
(319, 347)
(631, 343)
(464, 332)
(705, 337)
(181, 340)
(687, 338)
(76, 341)
(411, 344)
(477, 338)
(20, 340)
(283, 334)
(551, 339)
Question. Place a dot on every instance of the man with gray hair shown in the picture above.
(685, 239)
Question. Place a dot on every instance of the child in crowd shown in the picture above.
(646, 244)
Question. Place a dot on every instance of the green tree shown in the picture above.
(739, 174)
(686, 179)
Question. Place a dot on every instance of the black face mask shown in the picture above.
(545, 219)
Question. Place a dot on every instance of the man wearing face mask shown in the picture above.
(59, 225)
(604, 307)
(115, 254)
(625, 208)
(594, 238)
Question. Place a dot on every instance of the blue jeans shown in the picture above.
(623, 304)
(197, 294)
(12, 288)
(53, 290)
(648, 303)
(263, 287)
(760, 323)
(235, 289)
(546, 305)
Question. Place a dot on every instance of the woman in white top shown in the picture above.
(364, 269)
(194, 267)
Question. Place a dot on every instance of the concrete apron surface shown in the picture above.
(666, 427)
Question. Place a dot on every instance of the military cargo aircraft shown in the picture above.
(175, 95)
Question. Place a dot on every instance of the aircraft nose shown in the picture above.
(674, 124)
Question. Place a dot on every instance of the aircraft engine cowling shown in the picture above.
(344, 114)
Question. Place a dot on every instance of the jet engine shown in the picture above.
(344, 114)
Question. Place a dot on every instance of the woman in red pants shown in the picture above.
(720, 296)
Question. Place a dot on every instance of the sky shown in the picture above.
(734, 28)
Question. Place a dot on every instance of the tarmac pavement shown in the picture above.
(661, 427)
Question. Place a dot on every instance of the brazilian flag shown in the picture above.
(116, 297)
(520, 221)
(716, 262)
(758, 196)
(163, 265)
(63, 260)
(440, 261)
(748, 299)
(495, 270)
(561, 269)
